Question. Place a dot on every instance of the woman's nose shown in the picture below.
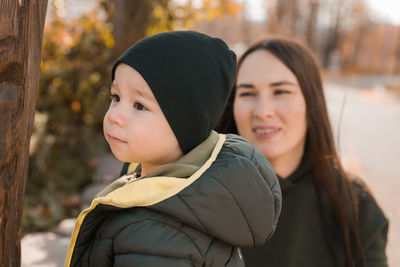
(264, 108)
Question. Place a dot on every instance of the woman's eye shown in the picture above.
(245, 94)
(114, 97)
(281, 92)
(139, 106)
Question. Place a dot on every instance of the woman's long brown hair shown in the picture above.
(329, 177)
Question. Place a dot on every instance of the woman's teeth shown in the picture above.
(264, 131)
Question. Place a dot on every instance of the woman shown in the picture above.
(327, 219)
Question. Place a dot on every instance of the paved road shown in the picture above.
(370, 147)
(369, 142)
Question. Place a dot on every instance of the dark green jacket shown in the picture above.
(194, 212)
(300, 239)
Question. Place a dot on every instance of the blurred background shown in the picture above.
(357, 43)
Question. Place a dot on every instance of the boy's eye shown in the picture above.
(139, 106)
(114, 97)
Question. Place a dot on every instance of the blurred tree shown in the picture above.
(284, 16)
(354, 35)
(334, 29)
(134, 19)
(130, 19)
(340, 12)
(245, 24)
(312, 22)
(21, 34)
(396, 53)
(361, 24)
(294, 18)
(73, 97)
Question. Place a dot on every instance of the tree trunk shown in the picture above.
(284, 16)
(272, 16)
(295, 17)
(312, 24)
(332, 41)
(130, 20)
(21, 31)
(396, 53)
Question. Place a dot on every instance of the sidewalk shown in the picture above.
(49, 249)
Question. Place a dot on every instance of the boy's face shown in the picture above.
(135, 126)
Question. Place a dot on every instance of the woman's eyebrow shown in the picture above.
(246, 85)
(279, 83)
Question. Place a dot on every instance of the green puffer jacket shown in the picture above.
(195, 212)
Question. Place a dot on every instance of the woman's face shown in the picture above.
(269, 107)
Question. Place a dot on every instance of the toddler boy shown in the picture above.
(195, 195)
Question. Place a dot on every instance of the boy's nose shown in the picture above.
(116, 116)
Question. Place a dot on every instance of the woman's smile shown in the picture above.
(266, 132)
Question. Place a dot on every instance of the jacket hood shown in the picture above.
(237, 198)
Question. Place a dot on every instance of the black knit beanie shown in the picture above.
(191, 75)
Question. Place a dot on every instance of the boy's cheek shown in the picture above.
(105, 128)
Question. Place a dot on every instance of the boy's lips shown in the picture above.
(115, 140)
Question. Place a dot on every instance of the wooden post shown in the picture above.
(21, 32)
